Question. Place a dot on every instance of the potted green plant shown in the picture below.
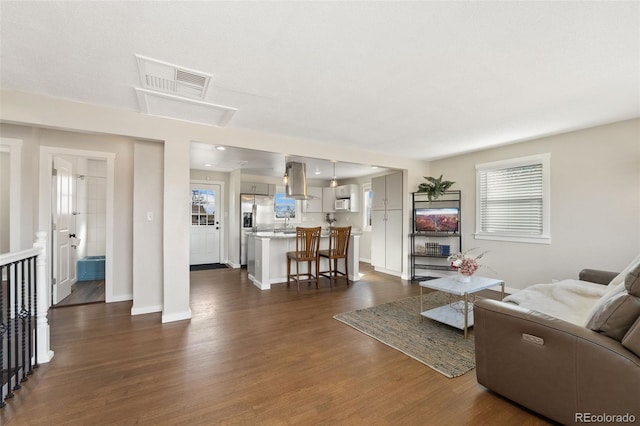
(434, 188)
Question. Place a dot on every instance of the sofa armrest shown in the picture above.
(551, 366)
(597, 276)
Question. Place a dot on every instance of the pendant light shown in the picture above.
(334, 181)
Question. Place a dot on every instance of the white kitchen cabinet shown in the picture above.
(386, 239)
(394, 191)
(387, 192)
(386, 223)
(393, 240)
(379, 193)
(257, 188)
(314, 205)
(328, 200)
(350, 192)
(343, 191)
(378, 238)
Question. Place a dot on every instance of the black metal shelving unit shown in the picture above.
(428, 248)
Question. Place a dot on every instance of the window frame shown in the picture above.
(282, 193)
(366, 206)
(540, 159)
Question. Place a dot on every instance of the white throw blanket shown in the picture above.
(569, 300)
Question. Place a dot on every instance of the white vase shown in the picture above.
(463, 278)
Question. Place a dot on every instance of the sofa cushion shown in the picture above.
(632, 281)
(614, 314)
(631, 340)
(622, 275)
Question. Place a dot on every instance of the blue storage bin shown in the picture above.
(91, 268)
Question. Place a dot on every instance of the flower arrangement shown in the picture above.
(465, 264)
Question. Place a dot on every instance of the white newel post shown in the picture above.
(45, 354)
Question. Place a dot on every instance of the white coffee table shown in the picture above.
(458, 314)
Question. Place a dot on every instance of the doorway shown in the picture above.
(206, 212)
(76, 208)
(78, 230)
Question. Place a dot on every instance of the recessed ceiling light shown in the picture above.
(220, 148)
(374, 167)
(317, 172)
(207, 165)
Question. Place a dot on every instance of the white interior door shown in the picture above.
(205, 224)
(63, 186)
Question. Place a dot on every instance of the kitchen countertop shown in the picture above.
(266, 255)
(292, 233)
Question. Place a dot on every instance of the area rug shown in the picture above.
(397, 324)
(207, 266)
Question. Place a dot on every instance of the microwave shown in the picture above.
(342, 204)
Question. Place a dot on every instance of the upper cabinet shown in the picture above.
(328, 200)
(257, 188)
(313, 205)
(343, 191)
(351, 193)
(387, 192)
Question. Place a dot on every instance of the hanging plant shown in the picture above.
(434, 188)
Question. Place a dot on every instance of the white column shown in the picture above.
(175, 229)
(45, 354)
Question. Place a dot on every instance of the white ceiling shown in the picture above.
(208, 157)
(415, 79)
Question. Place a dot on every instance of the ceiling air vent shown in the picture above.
(181, 108)
(169, 78)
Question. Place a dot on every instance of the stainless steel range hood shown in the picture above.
(297, 181)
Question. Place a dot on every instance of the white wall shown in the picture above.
(147, 227)
(122, 147)
(23, 232)
(4, 202)
(95, 182)
(595, 204)
(91, 195)
(37, 112)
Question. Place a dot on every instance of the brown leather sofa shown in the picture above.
(565, 372)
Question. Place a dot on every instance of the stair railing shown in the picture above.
(24, 328)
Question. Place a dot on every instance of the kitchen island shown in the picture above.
(267, 260)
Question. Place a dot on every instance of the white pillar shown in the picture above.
(176, 230)
(45, 354)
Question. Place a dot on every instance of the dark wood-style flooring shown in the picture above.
(246, 357)
(84, 292)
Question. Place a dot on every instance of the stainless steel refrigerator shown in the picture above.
(256, 213)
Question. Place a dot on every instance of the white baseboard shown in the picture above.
(176, 316)
(146, 310)
(258, 284)
(388, 272)
(120, 298)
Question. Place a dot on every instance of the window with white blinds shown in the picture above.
(513, 200)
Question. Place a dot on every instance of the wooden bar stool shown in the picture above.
(307, 249)
(338, 249)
